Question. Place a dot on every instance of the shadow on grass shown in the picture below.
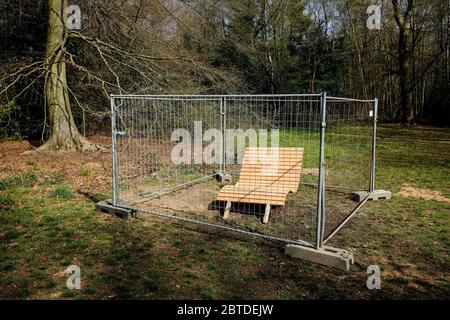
(93, 197)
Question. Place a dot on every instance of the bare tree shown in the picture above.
(64, 133)
(403, 21)
(126, 48)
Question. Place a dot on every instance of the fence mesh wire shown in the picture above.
(348, 153)
(172, 153)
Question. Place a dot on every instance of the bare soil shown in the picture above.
(426, 194)
(87, 171)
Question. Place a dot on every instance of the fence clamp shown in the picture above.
(121, 133)
(324, 124)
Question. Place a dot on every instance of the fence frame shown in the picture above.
(321, 213)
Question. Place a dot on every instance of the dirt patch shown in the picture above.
(86, 171)
(427, 194)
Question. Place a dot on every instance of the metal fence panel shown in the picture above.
(348, 158)
(171, 151)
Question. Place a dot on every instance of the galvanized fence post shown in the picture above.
(115, 184)
(374, 147)
(321, 188)
(222, 127)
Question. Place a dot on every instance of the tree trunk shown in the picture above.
(268, 53)
(403, 60)
(64, 133)
(404, 25)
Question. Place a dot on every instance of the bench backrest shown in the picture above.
(274, 167)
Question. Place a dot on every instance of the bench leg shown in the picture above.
(226, 213)
(266, 214)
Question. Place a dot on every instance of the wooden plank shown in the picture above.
(226, 212)
(270, 167)
(274, 170)
(271, 176)
(266, 214)
(255, 177)
(273, 184)
(258, 193)
(270, 160)
(252, 198)
(256, 201)
(266, 193)
(260, 196)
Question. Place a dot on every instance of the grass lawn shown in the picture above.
(48, 222)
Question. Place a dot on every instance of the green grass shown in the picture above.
(173, 175)
(85, 172)
(28, 179)
(46, 226)
(62, 193)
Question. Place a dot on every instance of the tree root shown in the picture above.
(70, 145)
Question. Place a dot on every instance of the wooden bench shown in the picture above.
(267, 176)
